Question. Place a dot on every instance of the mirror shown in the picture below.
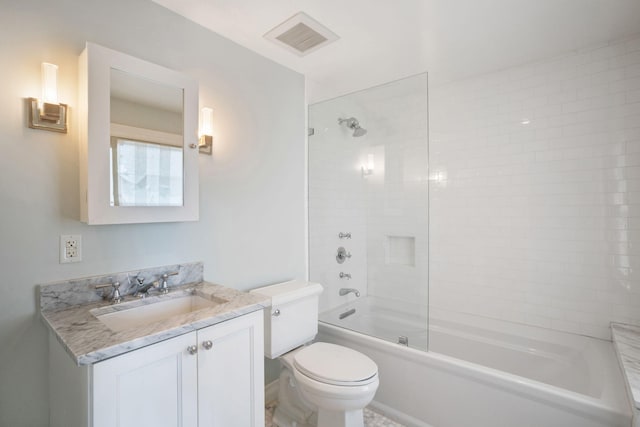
(138, 140)
(146, 151)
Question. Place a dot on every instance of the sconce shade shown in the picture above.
(47, 113)
(49, 83)
(206, 121)
(206, 131)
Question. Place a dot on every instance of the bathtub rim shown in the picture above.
(541, 392)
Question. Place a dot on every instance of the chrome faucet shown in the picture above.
(346, 291)
(142, 290)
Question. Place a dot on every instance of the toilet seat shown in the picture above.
(336, 365)
(330, 397)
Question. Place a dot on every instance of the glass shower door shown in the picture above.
(368, 210)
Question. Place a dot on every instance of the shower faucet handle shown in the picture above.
(342, 235)
(342, 255)
(345, 275)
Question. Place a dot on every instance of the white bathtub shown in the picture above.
(493, 374)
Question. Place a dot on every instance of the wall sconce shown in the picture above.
(47, 113)
(368, 168)
(206, 131)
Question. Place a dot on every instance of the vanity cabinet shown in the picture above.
(152, 386)
(212, 377)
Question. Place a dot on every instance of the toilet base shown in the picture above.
(305, 402)
(341, 418)
(282, 419)
(291, 410)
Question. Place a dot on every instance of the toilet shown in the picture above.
(321, 384)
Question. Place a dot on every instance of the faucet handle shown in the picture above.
(342, 255)
(164, 288)
(115, 295)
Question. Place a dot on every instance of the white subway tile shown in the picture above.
(552, 209)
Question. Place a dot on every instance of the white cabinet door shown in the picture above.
(231, 373)
(154, 386)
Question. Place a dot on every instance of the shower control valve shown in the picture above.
(342, 235)
(345, 275)
(342, 255)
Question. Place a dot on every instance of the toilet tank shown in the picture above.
(292, 319)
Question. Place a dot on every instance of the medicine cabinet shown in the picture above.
(138, 140)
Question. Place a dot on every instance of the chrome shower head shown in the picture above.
(359, 132)
(352, 123)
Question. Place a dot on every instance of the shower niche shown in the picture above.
(401, 250)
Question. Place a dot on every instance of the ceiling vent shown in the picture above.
(301, 34)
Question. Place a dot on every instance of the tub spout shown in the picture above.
(345, 291)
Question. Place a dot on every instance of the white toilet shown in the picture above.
(320, 384)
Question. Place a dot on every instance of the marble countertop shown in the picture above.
(88, 340)
(626, 339)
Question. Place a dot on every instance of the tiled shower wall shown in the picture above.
(535, 192)
(386, 211)
(398, 194)
(336, 201)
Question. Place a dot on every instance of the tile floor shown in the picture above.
(371, 418)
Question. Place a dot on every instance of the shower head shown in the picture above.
(352, 123)
(359, 132)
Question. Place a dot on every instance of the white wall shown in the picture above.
(129, 113)
(392, 201)
(252, 189)
(535, 192)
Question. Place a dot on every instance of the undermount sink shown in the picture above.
(151, 310)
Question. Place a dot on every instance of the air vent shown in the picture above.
(301, 34)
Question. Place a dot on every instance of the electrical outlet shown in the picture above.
(70, 248)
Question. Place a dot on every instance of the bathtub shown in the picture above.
(480, 372)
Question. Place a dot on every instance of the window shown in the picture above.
(145, 173)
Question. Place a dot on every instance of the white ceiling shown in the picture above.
(383, 40)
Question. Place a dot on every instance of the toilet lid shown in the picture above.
(334, 364)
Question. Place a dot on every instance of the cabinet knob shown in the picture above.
(276, 313)
(192, 349)
(207, 344)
